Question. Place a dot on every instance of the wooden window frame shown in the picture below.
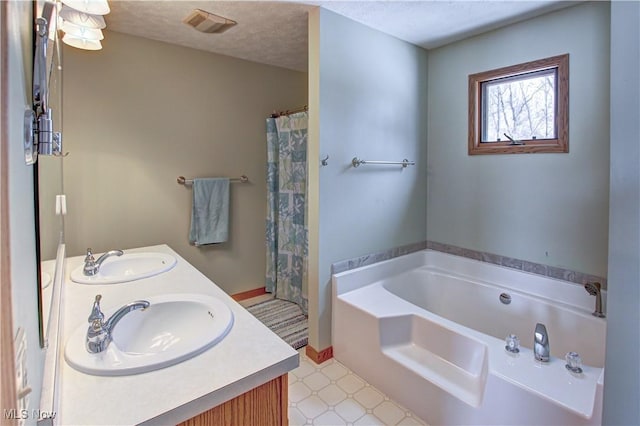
(560, 144)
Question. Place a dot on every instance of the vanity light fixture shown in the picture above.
(82, 22)
(83, 19)
(81, 43)
(206, 22)
(79, 31)
(92, 7)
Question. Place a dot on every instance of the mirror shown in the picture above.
(131, 152)
(48, 184)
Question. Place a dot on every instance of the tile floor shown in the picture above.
(330, 394)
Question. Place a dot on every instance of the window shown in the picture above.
(520, 109)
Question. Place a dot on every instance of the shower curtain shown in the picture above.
(286, 230)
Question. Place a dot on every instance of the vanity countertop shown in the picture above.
(248, 356)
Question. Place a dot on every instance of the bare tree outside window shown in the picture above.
(527, 102)
(523, 108)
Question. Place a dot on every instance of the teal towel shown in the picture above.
(210, 211)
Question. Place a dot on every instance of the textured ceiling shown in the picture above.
(275, 33)
(267, 32)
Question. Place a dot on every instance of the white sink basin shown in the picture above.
(128, 267)
(172, 329)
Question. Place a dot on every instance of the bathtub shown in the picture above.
(429, 329)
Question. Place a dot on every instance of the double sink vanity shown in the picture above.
(146, 338)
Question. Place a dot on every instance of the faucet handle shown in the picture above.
(96, 313)
(89, 257)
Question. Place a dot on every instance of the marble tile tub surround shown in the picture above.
(496, 259)
(370, 259)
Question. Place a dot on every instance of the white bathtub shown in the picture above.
(428, 329)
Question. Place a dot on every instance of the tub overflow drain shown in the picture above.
(505, 298)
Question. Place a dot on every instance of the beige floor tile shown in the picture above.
(334, 371)
(329, 418)
(411, 421)
(298, 391)
(369, 420)
(312, 406)
(389, 413)
(331, 395)
(296, 418)
(369, 397)
(350, 410)
(350, 383)
(304, 370)
(316, 381)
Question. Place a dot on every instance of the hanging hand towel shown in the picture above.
(210, 211)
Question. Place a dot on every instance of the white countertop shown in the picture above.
(248, 356)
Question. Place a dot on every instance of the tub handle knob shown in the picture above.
(512, 344)
(574, 362)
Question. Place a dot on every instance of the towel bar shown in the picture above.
(182, 181)
(404, 163)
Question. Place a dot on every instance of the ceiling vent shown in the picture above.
(206, 22)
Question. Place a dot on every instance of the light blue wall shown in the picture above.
(371, 100)
(21, 206)
(545, 208)
(622, 367)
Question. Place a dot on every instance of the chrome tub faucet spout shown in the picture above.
(92, 266)
(541, 343)
(99, 333)
(594, 289)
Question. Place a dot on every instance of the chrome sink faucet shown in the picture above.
(99, 333)
(541, 343)
(92, 266)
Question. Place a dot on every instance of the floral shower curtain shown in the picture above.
(286, 233)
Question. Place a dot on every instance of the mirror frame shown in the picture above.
(52, 60)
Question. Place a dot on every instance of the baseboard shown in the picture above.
(249, 294)
(319, 356)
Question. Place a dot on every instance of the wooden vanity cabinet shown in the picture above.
(265, 405)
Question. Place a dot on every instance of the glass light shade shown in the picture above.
(93, 7)
(81, 43)
(83, 19)
(81, 32)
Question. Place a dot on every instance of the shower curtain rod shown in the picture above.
(289, 112)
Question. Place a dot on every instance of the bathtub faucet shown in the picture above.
(594, 289)
(541, 343)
